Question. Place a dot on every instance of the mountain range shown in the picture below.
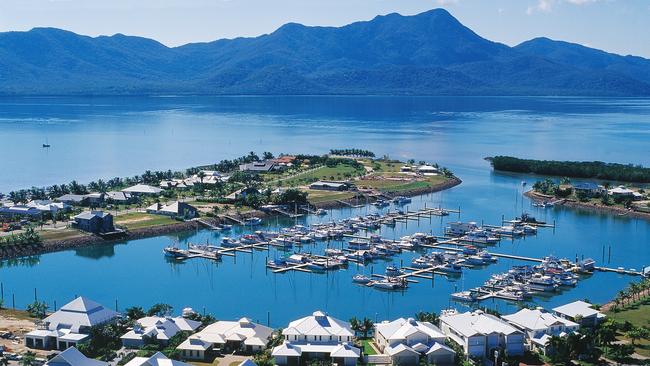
(431, 53)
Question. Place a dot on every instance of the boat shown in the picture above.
(586, 265)
(460, 228)
(249, 239)
(542, 283)
(487, 257)
(227, 242)
(174, 252)
(331, 252)
(276, 263)
(390, 284)
(465, 296)
(361, 279)
(321, 212)
(297, 259)
(393, 271)
(224, 227)
(480, 236)
(475, 260)
(470, 250)
(252, 221)
(380, 203)
(451, 268)
(401, 200)
(358, 244)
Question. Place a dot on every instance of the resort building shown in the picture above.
(258, 167)
(407, 340)
(427, 170)
(540, 325)
(158, 328)
(226, 336)
(119, 197)
(70, 325)
(72, 357)
(158, 359)
(588, 188)
(329, 186)
(480, 333)
(49, 206)
(72, 199)
(175, 209)
(96, 222)
(142, 189)
(19, 210)
(580, 312)
(318, 336)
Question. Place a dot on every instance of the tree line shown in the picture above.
(353, 152)
(573, 169)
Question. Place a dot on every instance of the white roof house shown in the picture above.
(248, 335)
(160, 328)
(317, 334)
(48, 205)
(581, 312)
(427, 169)
(478, 332)
(72, 357)
(405, 340)
(78, 314)
(620, 191)
(142, 189)
(70, 325)
(540, 325)
(158, 359)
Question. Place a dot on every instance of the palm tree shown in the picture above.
(28, 359)
(366, 327)
(355, 325)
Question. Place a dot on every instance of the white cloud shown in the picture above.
(546, 6)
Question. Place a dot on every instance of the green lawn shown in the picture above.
(401, 186)
(137, 220)
(339, 172)
(60, 234)
(638, 315)
(324, 196)
(367, 349)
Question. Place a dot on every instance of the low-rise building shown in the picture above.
(480, 333)
(49, 206)
(580, 312)
(72, 357)
(588, 188)
(318, 336)
(142, 189)
(72, 199)
(20, 210)
(158, 359)
(159, 328)
(70, 325)
(540, 325)
(258, 167)
(119, 197)
(97, 222)
(226, 335)
(427, 170)
(175, 209)
(407, 340)
(329, 186)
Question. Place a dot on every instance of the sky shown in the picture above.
(619, 26)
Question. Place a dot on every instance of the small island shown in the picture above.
(241, 190)
(604, 187)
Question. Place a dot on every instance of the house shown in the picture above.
(72, 357)
(407, 340)
(97, 222)
(72, 199)
(70, 325)
(285, 160)
(142, 189)
(226, 335)
(258, 167)
(49, 206)
(161, 329)
(407, 169)
(119, 197)
(427, 170)
(329, 186)
(580, 312)
(588, 188)
(540, 325)
(175, 209)
(480, 333)
(158, 359)
(318, 336)
(95, 198)
(622, 191)
(20, 210)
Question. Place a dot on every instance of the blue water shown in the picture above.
(106, 137)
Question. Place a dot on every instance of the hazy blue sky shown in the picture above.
(620, 26)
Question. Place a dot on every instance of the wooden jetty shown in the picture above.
(237, 221)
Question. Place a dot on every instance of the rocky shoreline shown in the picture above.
(611, 210)
(16, 251)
